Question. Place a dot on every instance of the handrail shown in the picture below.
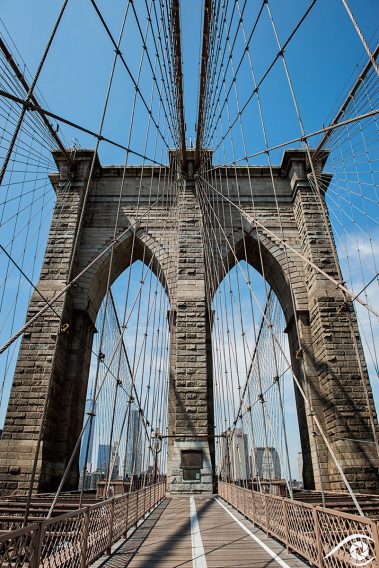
(78, 538)
(322, 536)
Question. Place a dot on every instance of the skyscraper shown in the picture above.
(103, 461)
(234, 455)
(267, 463)
(86, 441)
(103, 458)
(133, 465)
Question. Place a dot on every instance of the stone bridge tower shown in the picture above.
(52, 368)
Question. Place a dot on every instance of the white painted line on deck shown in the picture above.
(257, 540)
(198, 555)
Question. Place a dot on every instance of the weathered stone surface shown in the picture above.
(52, 370)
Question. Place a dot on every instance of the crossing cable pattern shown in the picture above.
(127, 396)
(128, 390)
(225, 132)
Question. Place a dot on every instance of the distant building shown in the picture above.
(103, 458)
(103, 455)
(133, 462)
(93, 479)
(234, 455)
(267, 463)
(86, 442)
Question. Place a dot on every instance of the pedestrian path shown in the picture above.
(199, 532)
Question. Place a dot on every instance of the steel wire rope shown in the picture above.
(317, 422)
(327, 225)
(266, 73)
(49, 386)
(118, 53)
(31, 89)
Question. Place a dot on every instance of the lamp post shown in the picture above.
(157, 445)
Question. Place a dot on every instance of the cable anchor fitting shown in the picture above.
(64, 328)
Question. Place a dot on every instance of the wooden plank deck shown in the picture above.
(168, 539)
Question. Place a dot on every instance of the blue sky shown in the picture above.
(321, 59)
(324, 60)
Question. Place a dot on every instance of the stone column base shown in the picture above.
(177, 482)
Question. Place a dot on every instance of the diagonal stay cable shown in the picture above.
(21, 77)
(302, 391)
(30, 92)
(330, 128)
(33, 107)
(80, 274)
(135, 84)
(262, 79)
(343, 288)
(215, 102)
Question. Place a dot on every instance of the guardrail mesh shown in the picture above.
(78, 538)
(324, 537)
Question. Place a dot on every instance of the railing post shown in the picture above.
(127, 516)
(266, 511)
(285, 521)
(84, 546)
(320, 561)
(137, 499)
(111, 517)
(37, 538)
(253, 506)
(375, 536)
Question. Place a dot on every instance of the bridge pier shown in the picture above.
(191, 421)
(336, 378)
(49, 388)
(52, 370)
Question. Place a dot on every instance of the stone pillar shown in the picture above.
(333, 362)
(191, 422)
(53, 362)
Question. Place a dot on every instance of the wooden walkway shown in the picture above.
(199, 532)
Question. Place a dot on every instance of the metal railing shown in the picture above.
(324, 537)
(78, 538)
